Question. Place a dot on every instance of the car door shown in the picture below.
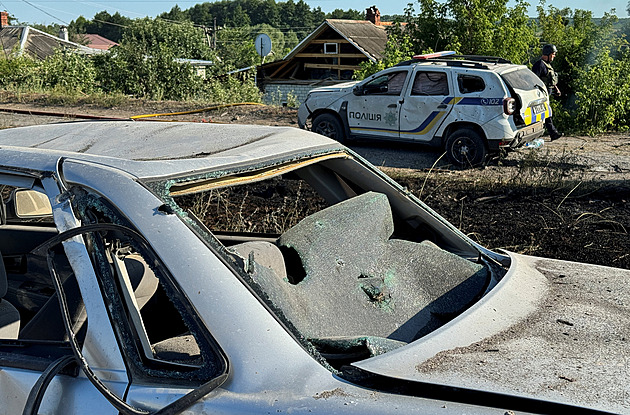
(38, 370)
(427, 103)
(170, 355)
(374, 109)
(87, 308)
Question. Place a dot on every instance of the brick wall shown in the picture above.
(286, 94)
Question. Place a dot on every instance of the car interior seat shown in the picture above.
(264, 253)
(47, 324)
(9, 315)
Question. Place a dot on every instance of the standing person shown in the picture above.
(545, 72)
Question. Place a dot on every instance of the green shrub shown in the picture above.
(593, 81)
(19, 72)
(227, 90)
(68, 71)
(130, 70)
(603, 95)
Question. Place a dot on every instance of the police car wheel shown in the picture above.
(329, 126)
(466, 148)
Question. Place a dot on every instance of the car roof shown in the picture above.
(153, 148)
(499, 65)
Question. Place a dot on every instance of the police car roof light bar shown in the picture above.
(434, 55)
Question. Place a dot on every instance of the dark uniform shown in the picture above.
(545, 72)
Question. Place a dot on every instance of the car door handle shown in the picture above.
(392, 105)
(442, 106)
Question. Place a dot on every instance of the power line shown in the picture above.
(110, 23)
(45, 12)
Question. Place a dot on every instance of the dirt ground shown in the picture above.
(569, 200)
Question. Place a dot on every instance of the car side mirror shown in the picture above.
(357, 90)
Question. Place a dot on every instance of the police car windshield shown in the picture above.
(522, 78)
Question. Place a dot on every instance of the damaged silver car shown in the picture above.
(161, 268)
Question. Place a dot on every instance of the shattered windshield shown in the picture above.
(341, 255)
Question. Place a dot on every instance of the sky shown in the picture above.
(64, 11)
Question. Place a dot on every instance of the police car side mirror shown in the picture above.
(357, 90)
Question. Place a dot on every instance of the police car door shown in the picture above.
(426, 104)
(373, 109)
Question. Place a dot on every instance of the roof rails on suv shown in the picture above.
(451, 59)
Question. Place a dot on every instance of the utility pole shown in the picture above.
(206, 31)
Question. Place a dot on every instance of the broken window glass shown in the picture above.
(339, 264)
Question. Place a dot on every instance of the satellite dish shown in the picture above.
(263, 44)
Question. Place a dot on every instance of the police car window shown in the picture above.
(469, 83)
(430, 83)
(521, 79)
(389, 84)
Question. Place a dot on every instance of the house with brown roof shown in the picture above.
(327, 56)
(98, 42)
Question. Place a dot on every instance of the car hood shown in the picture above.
(550, 330)
(345, 87)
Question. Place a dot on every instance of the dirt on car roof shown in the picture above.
(569, 199)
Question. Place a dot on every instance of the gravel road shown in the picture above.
(605, 157)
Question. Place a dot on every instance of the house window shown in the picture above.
(330, 48)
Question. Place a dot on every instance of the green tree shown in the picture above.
(184, 40)
(235, 47)
(399, 48)
(147, 62)
(349, 14)
(590, 63)
(201, 14)
(603, 94)
(318, 16)
(473, 27)
(129, 70)
(287, 12)
(430, 28)
(303, 16)
(291, 40)
(176, 14)
(238, 17)
(78, 26)
(104, 24)
(267, 12)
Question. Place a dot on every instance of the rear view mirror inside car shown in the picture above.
(31, 204)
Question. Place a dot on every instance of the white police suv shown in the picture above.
(471, 106)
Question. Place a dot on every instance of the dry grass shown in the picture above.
(255, 208)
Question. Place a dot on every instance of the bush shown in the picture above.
(230, 89)
(593, 81)
(19, 72)
(68, 71)
(603, 95)
(129, 70)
